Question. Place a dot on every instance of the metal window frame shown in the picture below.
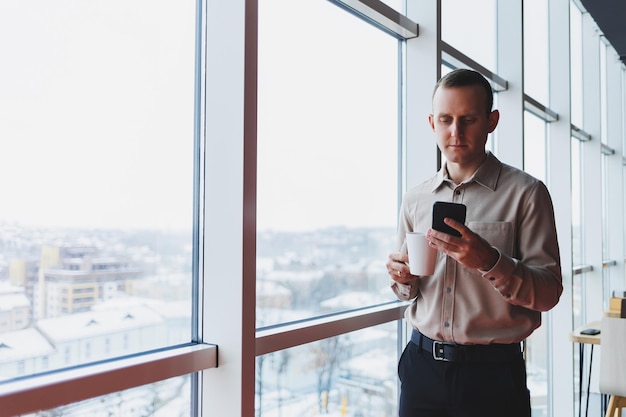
(65, 386)
(581, 269)
(454, 58)
(285, 336)
(606, 150)
(544, 113)
(382, 16)
(580, 134)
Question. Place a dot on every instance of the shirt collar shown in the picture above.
(486, 175)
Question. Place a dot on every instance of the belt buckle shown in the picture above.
(438, 350)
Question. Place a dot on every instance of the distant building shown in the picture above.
(23, 352)
(272, 295)
(24, 273)
(14, 308)
(114, 328)
(72, 279)
(102, 334)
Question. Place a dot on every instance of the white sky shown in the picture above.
(96, 116)
(327, 119)
(96, 112)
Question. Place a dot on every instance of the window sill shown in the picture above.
(53, 389)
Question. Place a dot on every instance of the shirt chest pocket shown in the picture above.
(498, 234)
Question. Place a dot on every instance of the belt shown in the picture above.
(453, 352)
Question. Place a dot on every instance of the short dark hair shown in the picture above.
(463, 78)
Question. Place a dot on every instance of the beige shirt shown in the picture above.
(513, 212)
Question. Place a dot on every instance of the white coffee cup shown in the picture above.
(422, 257)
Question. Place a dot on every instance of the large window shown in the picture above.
(471, 27)
(97, 161)
(353, 374)
(536, 68)
(328, 152)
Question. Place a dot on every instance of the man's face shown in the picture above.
(461, 124)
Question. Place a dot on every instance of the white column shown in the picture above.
(592, 170)
(510, 65)
(422, 70)
(229, 219)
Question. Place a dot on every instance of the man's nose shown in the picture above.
(456, 128)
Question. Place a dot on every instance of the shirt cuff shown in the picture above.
(484, 272)
(403, 289)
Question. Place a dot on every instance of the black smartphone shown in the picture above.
(443, 209)
(590, 332)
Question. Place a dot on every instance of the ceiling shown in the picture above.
(610, 16)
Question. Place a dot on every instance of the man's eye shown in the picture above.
(445, 120)
(469, 120)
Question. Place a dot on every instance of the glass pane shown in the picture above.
(169, 398)
(537, 344)
(577, 237)
(536, 50)
(470, 27)
(576, 58)
(535, 146)
(97, 113)
(578, 280)
(623, 78)
(604, 123)
(350, 375)
(327, 161)
(606, 241)
(397, 5)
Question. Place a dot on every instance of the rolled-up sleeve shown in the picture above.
(405, 292)
(533, 281)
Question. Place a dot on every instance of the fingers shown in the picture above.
(402, 275)
(459, 227)
(435, 235)
(396, 271)
(396, 274)
(442, 240)
(470, 250)
(399, 257)
(397, 267)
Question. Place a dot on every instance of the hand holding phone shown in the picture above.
(443, 209)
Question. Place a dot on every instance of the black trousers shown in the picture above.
(432, 388)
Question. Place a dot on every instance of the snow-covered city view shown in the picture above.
(70, 297)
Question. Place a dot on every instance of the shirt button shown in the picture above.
(446, 324)
(448, 290)
(492, 278)
(457, 192)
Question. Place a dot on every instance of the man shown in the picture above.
(490, 285)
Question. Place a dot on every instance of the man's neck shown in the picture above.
(459, 173)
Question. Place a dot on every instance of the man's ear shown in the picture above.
(494, 117)
(431, 121)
